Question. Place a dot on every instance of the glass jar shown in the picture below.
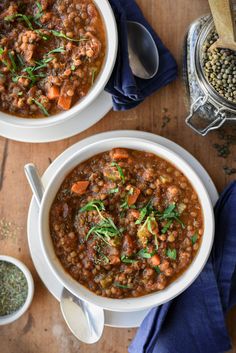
(208, 109)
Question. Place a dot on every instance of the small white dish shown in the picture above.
(112, 318)
(7, 319)
(149, 300)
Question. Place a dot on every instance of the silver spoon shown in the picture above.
(85, 320)
(143, 52)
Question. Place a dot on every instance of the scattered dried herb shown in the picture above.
(13, 288)
(8, 230)
(229, 170)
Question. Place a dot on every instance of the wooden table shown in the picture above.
(42, 328)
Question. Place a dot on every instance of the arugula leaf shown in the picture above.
(114, 164)
(127, 260)
(171, 253)
(41, 106)
(1, 50)
(194, 238)
(93, 206)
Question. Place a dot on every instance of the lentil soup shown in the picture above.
(51, 52)
(126, 223)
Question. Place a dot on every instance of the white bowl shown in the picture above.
(150, 300)
(111, 51)
(7, 319)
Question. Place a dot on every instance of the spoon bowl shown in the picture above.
(143, 52)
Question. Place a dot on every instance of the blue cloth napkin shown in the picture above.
(194, 322)
(126, 89)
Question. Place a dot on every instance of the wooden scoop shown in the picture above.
(223, 15)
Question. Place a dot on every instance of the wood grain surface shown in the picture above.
(42, 328)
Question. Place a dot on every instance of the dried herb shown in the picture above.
(13, 288)
(229, 170)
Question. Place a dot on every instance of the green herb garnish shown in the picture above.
(166, 227)
(95, 205)
(194, 238)
(127, 260)
(157, 269)
(93, 75)
(57, 50)
(171, 253)
(21, 16)
(121, 286)
(170, 213)
(105, 230)
(13, 63)
(143, 253)
(41, 106)
(62, 35)
(122, 176)
(113, 191)
(145, 211)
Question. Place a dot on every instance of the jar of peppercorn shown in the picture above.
(210, 77)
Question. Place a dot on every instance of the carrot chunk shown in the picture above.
(64, 102)
(80, 187)
(119, 153)
(53, 92)
(132, 198)
(155, 260)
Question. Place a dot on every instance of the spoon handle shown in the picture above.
(34, 180)
(223, 15)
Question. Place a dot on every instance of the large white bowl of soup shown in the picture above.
(126, 224)
(60, 60)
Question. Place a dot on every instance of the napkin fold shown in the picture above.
(127, 90)
(195, 320)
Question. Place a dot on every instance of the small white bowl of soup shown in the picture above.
(59, 63)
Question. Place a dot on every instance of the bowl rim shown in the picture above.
(149, 300)
(110, 26)
(7, 319)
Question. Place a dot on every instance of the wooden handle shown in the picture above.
(222, 12)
